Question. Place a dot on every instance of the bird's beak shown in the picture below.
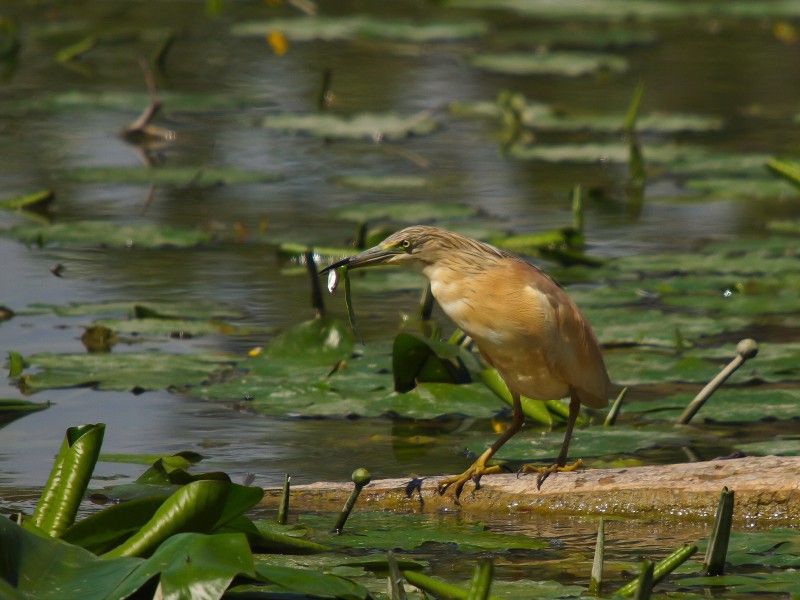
(368, 258)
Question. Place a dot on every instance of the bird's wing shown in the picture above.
(572, 348)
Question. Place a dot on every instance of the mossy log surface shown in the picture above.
(767, 490)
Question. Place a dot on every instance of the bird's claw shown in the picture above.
(544, 472)
(474, 473)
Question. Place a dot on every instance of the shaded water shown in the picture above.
(736, 70)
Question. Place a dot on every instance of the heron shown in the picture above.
(523, 323)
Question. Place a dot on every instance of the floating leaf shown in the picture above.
(131, 101)
(361, 126)
(35, 200)
(592, 441)
(406, 212)
(390, 531)
(571, 64)
(342, 28)
(122, 372)
(741, 187)
(179, 176)
(377, 183)
(100, 233)
(622, 10)
(12, 409)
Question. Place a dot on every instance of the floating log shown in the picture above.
(767, 492)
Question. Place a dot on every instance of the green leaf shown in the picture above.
(416, 358)
(727, 405)
(12, 409)
(129, 100)
(16, 363)
(39, 568)
(310, 583)
(28, 201)
(179, 176)
(405, 212)
(319, 342)
(302, 29)
(69, 479)
(360, 126)
(388, 531)
(384, 183)
(103, 530)
(191, 565)
(534, 410)
(199, 507)
(101, 233)
(570, 64)
(592, 442)
(121, 372)
(790, 171)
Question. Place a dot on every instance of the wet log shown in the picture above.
(767, 492)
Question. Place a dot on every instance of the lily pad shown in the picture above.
(131, 101)
(727, 405)
(371, 126)
(179, 176)
(121, 372)
(778, 446)
(101, 233)
(404, 212)
(345, 28)
(197, 309)
(622, 10)
(12, 409)
(390, 531)
(377, 183)
(570, 64)
(592, 442)
(740, 187)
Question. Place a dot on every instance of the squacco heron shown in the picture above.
(522, 322)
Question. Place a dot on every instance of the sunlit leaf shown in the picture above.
(198, 507)
(191, 565)
(69, 479)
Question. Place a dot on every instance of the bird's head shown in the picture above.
(413, 247)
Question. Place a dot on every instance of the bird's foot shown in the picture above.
(544, 472)
(474, 473)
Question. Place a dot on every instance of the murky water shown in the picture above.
(735, 70)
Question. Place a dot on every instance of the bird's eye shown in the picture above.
(405, 244)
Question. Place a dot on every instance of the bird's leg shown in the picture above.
(479, 468)
(561, 461)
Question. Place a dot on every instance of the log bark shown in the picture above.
(767, 492)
